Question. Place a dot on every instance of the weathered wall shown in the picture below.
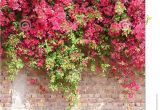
(96, 93)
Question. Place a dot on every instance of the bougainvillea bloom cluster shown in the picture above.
(63, 37)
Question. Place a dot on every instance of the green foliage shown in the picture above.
(104, 67)
(14, 63)
(14, 66)
(148, 18)
(65, 68)
(120, 8)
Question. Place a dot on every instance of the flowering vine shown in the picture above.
(64, 37)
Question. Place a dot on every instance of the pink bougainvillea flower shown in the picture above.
(33, 81)
(1, 51)
(14, 4)
(126, 26)
(139, 31)
(115, 29)
(40, 62)
(131, 95)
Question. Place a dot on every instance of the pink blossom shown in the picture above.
(115, 29)
(1, 51)
(40, 62)
(14, 4)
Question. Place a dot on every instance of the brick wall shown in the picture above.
(96, 93)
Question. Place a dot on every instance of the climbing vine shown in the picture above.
(64, 37)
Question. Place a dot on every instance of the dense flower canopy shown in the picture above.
(65, 36)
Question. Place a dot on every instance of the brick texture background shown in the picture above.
(96, 93)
